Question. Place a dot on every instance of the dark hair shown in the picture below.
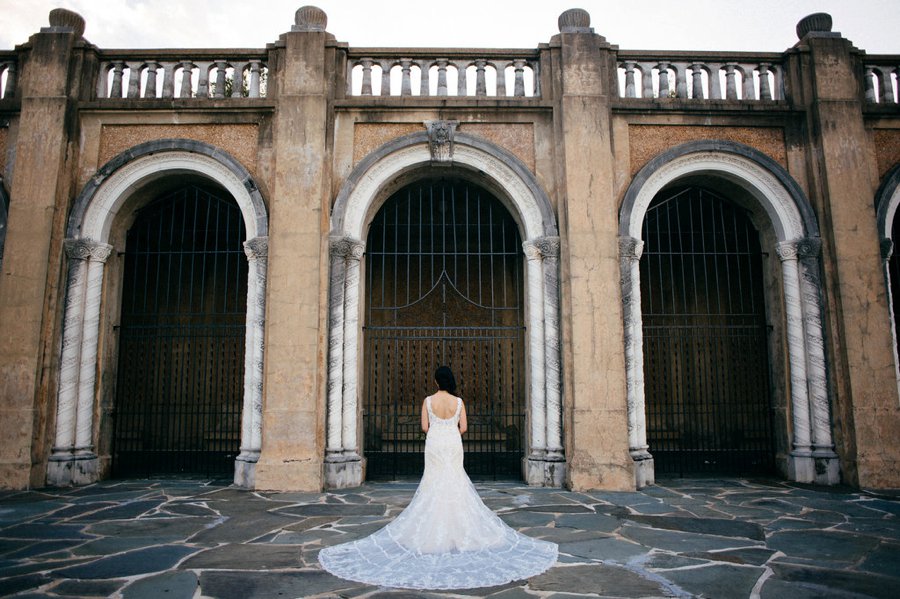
(444, 378)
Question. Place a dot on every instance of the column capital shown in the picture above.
(809, 247)
(786, 250)
(631, 247)
(257, 248)
(887, 249)
(541, 247)
(87, 249)
(346, 247)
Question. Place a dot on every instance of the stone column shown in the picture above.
(549, 247)
(73, 460)
(630, 250)
(827, 470)
(344, 467)
(534, 467)
(887, 250)
(257, 250)
(800, 465)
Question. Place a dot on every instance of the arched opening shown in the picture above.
(443, 285)
(893, 267)
(709, 405)
(181, 336)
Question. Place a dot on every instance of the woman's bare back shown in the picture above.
(443, 405)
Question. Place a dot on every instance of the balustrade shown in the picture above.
(135, 76)
(881, 80)
(695, 77)
(7, 75)
(474, 74)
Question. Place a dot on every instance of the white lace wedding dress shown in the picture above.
(446, 538)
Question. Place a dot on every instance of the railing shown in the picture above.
(436, 72)
(8, 65)
(173, 74)
(882, 74)
(746, 78)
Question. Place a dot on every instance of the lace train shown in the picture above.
(446, 538)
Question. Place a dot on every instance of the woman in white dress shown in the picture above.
(446, 538)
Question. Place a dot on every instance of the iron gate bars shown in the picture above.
(181, 337)
(705, 337)
(444, 286)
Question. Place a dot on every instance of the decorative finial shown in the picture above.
(310, 18)
(575, 20)
(819, 22)
(62, 19)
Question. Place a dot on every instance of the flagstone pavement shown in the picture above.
(198, 539)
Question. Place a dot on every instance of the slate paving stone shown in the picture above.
(111, 545)
(884, 559)
(561, 509)
(864, 583)
(87, 588)
(41, 548)
(317, 509)
(822, 545)
(669, 561)
(596, 522)
(241, 530)
(601, 579)
(167, 528)
(564, 535)
(140, 561)
(516, 593)
(240, 556)
(10, 585)
(613, 550)
(171, 585)
(124, 511)
(792, 524)
(883, 529)
(882, 505)
(20, 512)
(265, 585)
(756, 556)
(44, 565)
(526, 518)
(779, 589)
(42, 531)
(719, 581)
(681, 542)
(707, 526)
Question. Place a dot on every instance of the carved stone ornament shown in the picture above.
(440, 139)
(786, 250)
(548, 246)
(632, 248)
(256, 248)
(85, 249)
(887, 249)
(346, 247)
(809, 247)
(310, 18)
(62, 19)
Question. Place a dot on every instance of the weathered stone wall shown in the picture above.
(886, 143)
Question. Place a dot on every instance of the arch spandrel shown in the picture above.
(887, 201)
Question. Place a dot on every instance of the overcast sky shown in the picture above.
(754, 25)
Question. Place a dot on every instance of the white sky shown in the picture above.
(751, 25)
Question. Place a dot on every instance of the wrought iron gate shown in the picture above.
(705, 338)
(444, 286)
(181, 338)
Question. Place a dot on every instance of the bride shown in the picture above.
(446, 538)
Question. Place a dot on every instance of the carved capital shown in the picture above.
(346, 247)
(630, 247)
(786, 250)
(548, 246)
(86, 249)
(532, 251)
(257, 248)
(440, 139)
(887, 249)
(809, 247)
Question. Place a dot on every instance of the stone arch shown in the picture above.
(73, 460)
(798, 246)
(515, 185)
(887, 202)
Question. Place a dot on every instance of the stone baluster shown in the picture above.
(221, 71)
(697, 81)
(351, 336)
(501, 79)
(204, 69)
(102, 80)
(405, 77)
(255, 73)
(386, 66)
(425, 80)
(871, 88)
(237, 79)
(118, 71)
(519, 66)
(169, 69)
(536, 349)
(462, 85)
(134, 80)
(887, 87)
(730, 86)
(187, 70)
(664, 91)
(646, 80)
(765, 91)
(150, 88)
(549, 247)
(715, 86)
(10, 89)
(629, 79)
(442, 76)
(800, 415)
(749, 90)
(257, 251)
(84, 420)
(366, 89)
(680, 79)
(480, 80)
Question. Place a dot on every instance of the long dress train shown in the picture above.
(446, 538)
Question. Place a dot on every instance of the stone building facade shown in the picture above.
(639, 263)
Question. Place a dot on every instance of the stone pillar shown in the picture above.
(594, 379)
(824, 72)
(827, 468)
(800, 463)
(630, 250)
(534, 466)
(73, 460)
(295, 377)
(887, 250)
(257, 250)
(29, 283)
(549, 247)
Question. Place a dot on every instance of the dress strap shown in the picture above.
(458, 407)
